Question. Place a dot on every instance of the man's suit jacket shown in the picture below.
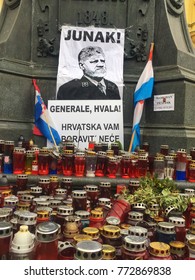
(83, 89)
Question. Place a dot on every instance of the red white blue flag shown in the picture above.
(43, 120)
(142, 91)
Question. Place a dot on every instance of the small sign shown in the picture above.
(164, 102)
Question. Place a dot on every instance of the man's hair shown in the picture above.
(87, 52)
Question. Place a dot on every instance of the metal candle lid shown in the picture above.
(177, 221)
(22, 176)
(166, 227)
(36, 190)
(88, 250)
(66, 179)
(138, 231)
(27, 197)
(134, 243)
(111, 231)
(64, 210)
(27, 218)
(54, 203)
(108, 251)
(159, 249)
(5, 229)
(44, 209)
(4, 215)
(82, 214)
(11, 200)
(47, 231)
(60, 191)
(81, 237)
(96, 214)
(177, 248)
(134, 183)
(93, 232)
(135, 216)
(44, 180)
(114, 221)
(104, 201)
(90, 188)
(79, 194)
(105, 184)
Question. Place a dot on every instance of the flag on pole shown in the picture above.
(44, 124)
(142, 91)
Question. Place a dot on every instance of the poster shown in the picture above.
(89, 88)
(89, 55)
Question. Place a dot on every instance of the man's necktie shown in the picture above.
(102, 88)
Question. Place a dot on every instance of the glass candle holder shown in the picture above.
(97, 147)
(115, 148)
(134, 248)
(191, 177)
(66, 183)
(91, 145)
(90, 164)
(69, 145)
(164, 149)
(44, 184)
(133, 185)
(68, 163)
(79, 164)
(105, 190)
(192, 153)
(19, 157)
(92, 194)
(53, 163)
(169, 167)
(142, 166)
(104, 146)
(47, 241)
(125, 166)
(178, 250)
(8, 157)
(112, 167)
(134, 167)
(28, 163)
(181, 163)
(100, 164)
(79, 200)
(43, 162)
(36, 152)
(21, 182)
(1, 163)
(66, 250)
(159, 251)
(180, 228)
(5, 239)
(165, 232)
(54, 184)
(88, 250)
(159, 165)
(96, 219)
(2, 146)
(34, 167)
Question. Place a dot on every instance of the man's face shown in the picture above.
(94, 66)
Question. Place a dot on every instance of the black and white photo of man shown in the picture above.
(92, 85)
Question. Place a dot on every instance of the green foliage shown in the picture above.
(158, 191)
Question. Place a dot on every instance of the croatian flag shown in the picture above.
(143, 91)
(44, 124)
